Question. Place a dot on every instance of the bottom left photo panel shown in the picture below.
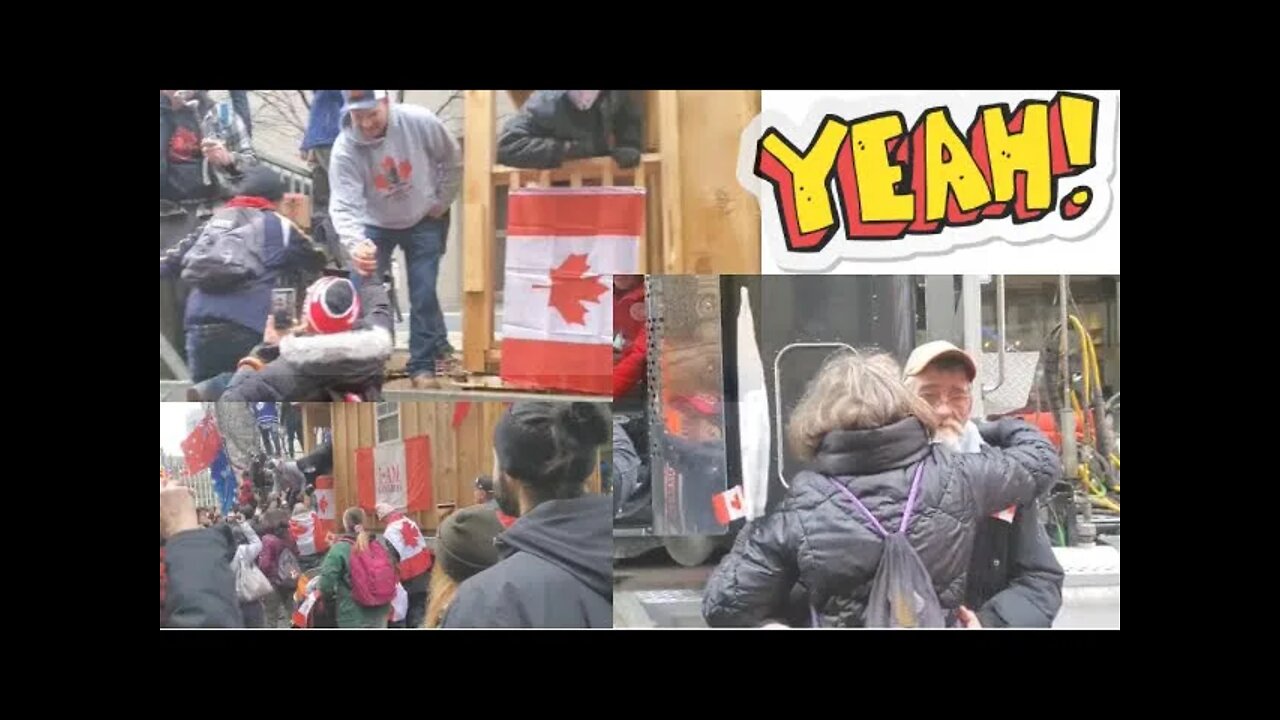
(423, 515)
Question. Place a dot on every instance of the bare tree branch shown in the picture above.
(305, 101)
(456, 95)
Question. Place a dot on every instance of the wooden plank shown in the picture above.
(593, 482)
(518, 97)
(606, 174)
(513, 180)
(669, 129)
(360, 435)
(591, 169)
(575, 179)
(468, 451)
(652, 141)
(477, 228)
(720, 219)
(444, 446)
(308, 429)
(544, 178)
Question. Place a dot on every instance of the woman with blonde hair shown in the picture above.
(464, 547)
(867, 441)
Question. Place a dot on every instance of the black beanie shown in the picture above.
(261, 181)
(465, 542)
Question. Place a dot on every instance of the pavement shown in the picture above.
(652, 591)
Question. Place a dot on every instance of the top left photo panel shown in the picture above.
(405, 245)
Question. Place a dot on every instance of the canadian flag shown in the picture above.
(309, 533)
(396, 473)
(324, 498)
(729, 505)
(1007, 514)
(410, 545)
(564, 245)
(303, 612)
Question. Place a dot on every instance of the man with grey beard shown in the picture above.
(1014, 580)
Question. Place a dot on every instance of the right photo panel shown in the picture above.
(867, 451)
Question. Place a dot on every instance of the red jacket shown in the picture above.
(631, 366)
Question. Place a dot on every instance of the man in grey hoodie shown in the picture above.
(394, 172)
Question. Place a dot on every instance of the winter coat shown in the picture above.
(200, 588)
(556, 572)
(538, 135)
(818, 540)
(318, 368)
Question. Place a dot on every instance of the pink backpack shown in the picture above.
(373, 577)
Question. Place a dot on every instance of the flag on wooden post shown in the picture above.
(564, 245)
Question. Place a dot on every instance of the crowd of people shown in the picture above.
(534, 550)
(384, 176)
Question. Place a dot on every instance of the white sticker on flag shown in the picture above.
(729, 505)
(390, 474)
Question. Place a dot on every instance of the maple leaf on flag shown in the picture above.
(324, 504)
(409, 534)
(571, 287)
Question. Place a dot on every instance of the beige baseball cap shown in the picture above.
(922, 356)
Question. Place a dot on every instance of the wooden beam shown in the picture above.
(669, 134)
(588, 168)
(720, 219)
(477, 228)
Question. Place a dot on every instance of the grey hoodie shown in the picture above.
(395, 181)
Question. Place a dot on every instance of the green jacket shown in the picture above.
(335, 581)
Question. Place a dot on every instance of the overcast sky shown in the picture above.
(173, 424)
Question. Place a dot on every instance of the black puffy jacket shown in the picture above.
(536, 137)
(817, 540)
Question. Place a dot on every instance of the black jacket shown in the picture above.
(818, 540)
(201, 590)
(536, 137)
(320, 368)
(556, 572)
(1014, 578)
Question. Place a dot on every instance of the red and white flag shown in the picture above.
(303, 612)
(405, 536)
(309, 533)
(396, 473)
(202, 445)
(729, 505)
(1007, 514)
(564, 245)
(324, 498)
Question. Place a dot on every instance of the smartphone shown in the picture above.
(284, 308)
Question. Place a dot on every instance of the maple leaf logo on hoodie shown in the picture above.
(393, 175)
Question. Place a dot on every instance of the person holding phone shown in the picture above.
(224, 323)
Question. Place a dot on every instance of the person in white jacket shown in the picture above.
(248, 546)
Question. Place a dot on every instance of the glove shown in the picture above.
(626, 157)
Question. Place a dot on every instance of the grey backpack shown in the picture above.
(902, 594)
(230, 252)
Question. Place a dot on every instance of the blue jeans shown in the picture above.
(214, 348)
(423, 246)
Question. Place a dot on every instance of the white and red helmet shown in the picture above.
(332, 305)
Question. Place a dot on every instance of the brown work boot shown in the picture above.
(425, 381)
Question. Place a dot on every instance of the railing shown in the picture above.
(297, 179)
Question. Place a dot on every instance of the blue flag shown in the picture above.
(224, 480)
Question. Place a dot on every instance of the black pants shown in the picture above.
(270, 440)
(254, 615)
(291, 431)
(215, 348)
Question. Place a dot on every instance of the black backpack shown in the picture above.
(231, 250)
(902, 594)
